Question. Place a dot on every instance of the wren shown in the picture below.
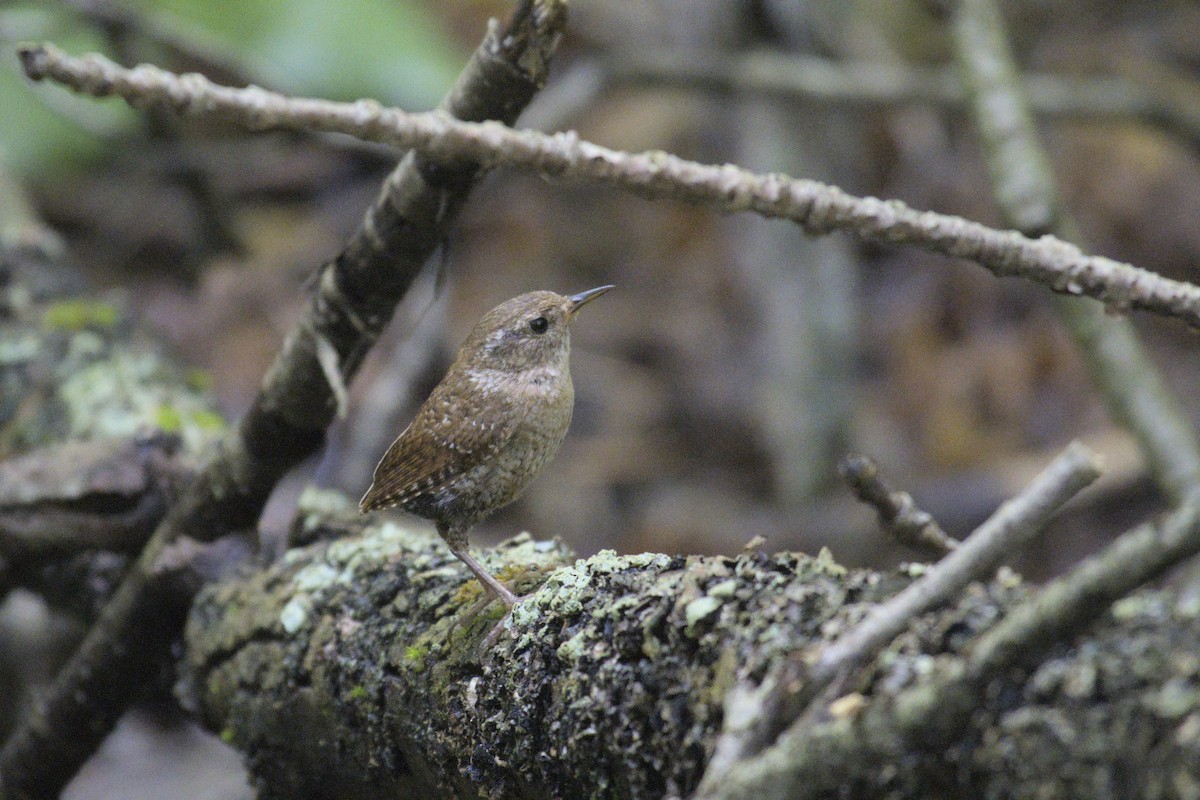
(486, 431)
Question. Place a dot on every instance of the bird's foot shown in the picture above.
(494, 633)
(479, 606)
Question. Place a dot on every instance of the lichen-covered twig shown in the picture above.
(356, 295)
(812, 761)
(1013, 524)
(1024, 188)
(817, 207)
(898, 514)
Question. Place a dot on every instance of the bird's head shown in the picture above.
(530, 330)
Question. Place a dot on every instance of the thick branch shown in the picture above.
(342, 669)
(354, 300)
(818, 208)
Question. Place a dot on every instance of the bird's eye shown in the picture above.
(539, 325)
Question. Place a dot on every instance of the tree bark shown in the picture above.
(340, 672)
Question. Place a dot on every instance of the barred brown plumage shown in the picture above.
(489, 427)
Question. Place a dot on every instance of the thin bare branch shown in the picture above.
(817, 207)
(1023, 184)
(898, 513)
(1013, 524)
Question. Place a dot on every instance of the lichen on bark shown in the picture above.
(76, 368)
(608, 682)
(344, 670)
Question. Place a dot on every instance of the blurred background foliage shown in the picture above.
(738, 359)
(396, 52)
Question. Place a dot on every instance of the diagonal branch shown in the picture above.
(817, 207)
(804, 679)
(1023, 185)
(356, 295)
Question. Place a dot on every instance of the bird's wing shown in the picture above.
(453, 432)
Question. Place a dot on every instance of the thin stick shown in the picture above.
(817, 207)
(898, 513)
(1013, 524)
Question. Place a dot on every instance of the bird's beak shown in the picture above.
(579, 300)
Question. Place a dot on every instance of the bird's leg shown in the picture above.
(490, 584)
(495, 590)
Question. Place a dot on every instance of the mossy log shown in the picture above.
(346, 670)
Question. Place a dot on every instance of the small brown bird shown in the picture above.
(489, 427)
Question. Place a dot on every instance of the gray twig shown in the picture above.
(817, 207)
(887, 83)
(898, 513)
(1023, 185)
(1013, 524)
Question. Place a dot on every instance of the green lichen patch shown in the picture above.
(610, 681)
(415, 655)
(127, 392)
(200, 380)
(208, 421)
(168, 419)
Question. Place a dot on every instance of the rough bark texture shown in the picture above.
(339, 673)
(97, 424)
